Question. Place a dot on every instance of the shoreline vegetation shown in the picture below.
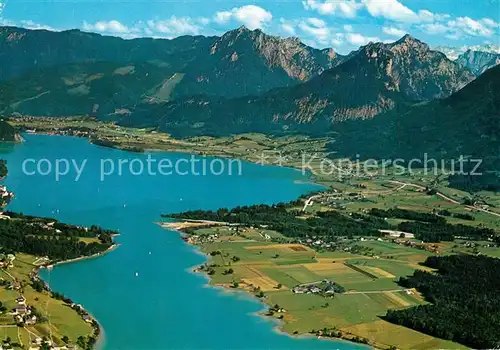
(285, 151)
(27, 245)
(245, 146)
(81, 258)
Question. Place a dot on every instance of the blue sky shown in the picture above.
(341, 24)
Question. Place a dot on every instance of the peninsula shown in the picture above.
(343, 273)
(31, 314)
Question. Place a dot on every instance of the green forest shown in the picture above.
(465, 300)
(289, 221)
(286, 220)
(48, 237)
(3, 168)
(437, 232)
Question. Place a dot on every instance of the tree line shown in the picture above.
(465, 300)
(437, 232)
(59, 242)
(407, 215)
(286, 220)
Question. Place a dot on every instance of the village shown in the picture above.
(25, 315)
(5, 195)
(325, 288)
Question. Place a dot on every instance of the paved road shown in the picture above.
(377, 291)
(308, 201)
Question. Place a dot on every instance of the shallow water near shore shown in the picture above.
(142, 292)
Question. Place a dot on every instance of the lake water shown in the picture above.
(165, 306)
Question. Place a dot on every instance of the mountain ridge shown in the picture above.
(370, 81)
(232, 65)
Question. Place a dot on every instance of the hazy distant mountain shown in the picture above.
(373, 80)
(454, 52)
(477, 61)
(240, 62)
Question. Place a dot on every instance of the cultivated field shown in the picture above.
(370, 284)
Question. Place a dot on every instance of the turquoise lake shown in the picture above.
(165, 306)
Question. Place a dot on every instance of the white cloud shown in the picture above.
(428, 16)
(348, 28)
(344, 8)
(459, 27)
(204, 20)
(359, 40)
(250, 15)
(489, 22)
(175, 26)
(222, 17)
(112, 26)
(338, 40)
(316, 22)
(288, 27)
(470, 27)
(320, 34)
(454, 36)
(29, 24)
(317, 33)
(434, 28)
(393, 31)
(390, 9)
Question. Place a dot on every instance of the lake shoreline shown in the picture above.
(81, 258)
(178, 227)
(98, 329)
(177, 147)
(100, 338)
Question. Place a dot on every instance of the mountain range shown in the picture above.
(244, 77)
(238, 63)
(376, 78)
(454, 52)
(374, 101)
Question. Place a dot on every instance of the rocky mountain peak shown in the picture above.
(298, 60)
(413, 68)
(407, 44)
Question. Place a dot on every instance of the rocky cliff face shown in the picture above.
(244, 62)
(478, 62)
(299, 61)
(417, 71)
